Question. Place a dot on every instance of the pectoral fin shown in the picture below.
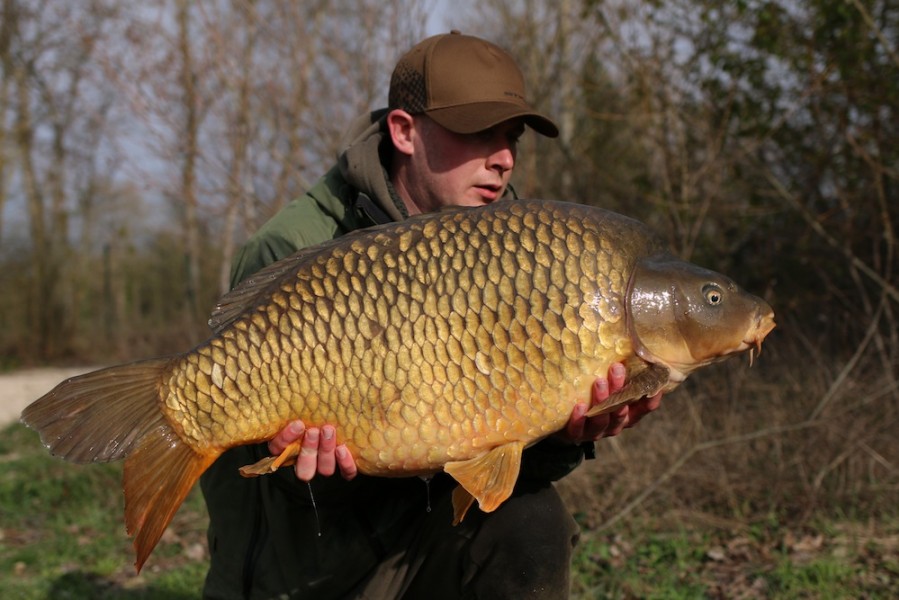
(646, 382)
(489, 478)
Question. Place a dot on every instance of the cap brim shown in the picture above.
(472, 118)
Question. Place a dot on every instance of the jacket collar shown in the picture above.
(362, 161)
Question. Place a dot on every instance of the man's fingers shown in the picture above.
(617, 375)
(575, 427)
(600, 392)
(642, 408)
(618, 420)
(285, 437)
(307, 461)
(327, 463)
(596, 427)
(345, 462)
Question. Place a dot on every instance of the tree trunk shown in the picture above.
(239, 141)
(188, 166)
(41, 288)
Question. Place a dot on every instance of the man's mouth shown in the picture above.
(489, 192)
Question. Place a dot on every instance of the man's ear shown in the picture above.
(401, 126)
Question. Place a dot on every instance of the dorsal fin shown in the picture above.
(258, 287)
(261, 284)
(254, 288)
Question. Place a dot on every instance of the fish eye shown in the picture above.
(713, 294)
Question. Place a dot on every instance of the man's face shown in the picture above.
(452, 169)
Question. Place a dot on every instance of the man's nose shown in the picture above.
(502, 160)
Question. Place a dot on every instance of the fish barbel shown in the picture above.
(449, 341)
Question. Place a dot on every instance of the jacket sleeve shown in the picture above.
(300, 224)
(551, 461)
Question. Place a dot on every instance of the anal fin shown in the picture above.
(489, 478)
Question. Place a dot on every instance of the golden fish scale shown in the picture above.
(458, 335)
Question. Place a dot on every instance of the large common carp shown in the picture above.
(449, 341)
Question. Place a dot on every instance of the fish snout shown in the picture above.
(763, 325)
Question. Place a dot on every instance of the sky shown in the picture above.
(440, 18)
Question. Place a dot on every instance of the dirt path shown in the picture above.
(20, 388)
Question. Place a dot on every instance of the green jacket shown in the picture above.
(354, 194)
(262, 531)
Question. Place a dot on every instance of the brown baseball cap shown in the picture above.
(465, 84)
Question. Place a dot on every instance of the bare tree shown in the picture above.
(7, 24)
(277, 70)
(47, 58)
(189, 152)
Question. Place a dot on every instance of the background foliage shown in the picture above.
(141, 142)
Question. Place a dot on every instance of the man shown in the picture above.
(457, 108)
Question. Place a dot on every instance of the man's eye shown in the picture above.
(488, 134)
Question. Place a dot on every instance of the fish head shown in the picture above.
(684, 316)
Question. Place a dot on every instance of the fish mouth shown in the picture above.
(753, 342)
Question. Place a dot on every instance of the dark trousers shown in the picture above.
(521, 550)
(379, 539)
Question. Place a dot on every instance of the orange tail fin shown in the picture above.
(114, 414)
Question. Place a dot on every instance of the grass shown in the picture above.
(659, 567)
(62, 532)
(648, 559)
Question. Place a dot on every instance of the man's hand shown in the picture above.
(319, 453)
(582, 429)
